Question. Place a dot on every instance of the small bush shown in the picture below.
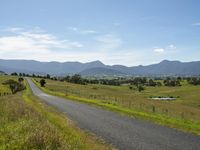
(140, 88)
(42, 83)
(130, 87)
(14, 85)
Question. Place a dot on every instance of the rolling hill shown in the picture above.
(165, 67)
(100, 71)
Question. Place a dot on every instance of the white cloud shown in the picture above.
(35, 44)
(109, 41)
(77, 30)
(171, 47)
(33, 40)
(14, 29)
(73, 29)
(167, 49)
(159, 50)
(19, 44)
(196, 24)
(88, 32)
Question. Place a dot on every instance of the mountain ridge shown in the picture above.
(165, 67)
(100, 71)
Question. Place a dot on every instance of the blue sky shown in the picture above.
(128, 32)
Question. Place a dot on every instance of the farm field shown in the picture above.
(26, 123)
(183, 113)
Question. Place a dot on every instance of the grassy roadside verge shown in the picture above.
(178, 123)
(74, 137)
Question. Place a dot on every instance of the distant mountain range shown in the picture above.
(98, 68)
(101, 71)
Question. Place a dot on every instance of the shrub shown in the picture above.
(14, 85)
(169, 82)
(42, 82)
(140, 88)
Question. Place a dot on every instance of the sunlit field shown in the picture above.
(186, 107)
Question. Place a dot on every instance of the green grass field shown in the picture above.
(183, 113)
(26, 123)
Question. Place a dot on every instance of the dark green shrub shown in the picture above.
(42, 83)
(14, 85)
(140, 88)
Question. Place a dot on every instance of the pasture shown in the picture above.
(185, 108)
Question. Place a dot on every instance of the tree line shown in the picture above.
(142, 81)
(193, 80)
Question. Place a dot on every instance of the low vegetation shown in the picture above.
(193, 81)
(172, 82)
(26, 123)
(5, 88)
(14, 85)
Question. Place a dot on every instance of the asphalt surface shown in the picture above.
(123, 132)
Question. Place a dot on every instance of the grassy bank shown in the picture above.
(178, 114)
(26, 123)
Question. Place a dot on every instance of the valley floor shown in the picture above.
(122, 131)
(183, 113)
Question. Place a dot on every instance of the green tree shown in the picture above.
(179, 78)
(158, 83)
(33, 75)
(152, 83)
(76, 79)
(14, 85)
(140, 88)
(67, 78)
(21, 80)
(48, 76)
(42, 82)
(14, 74)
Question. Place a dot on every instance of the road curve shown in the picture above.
(123, 132)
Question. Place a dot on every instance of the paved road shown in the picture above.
(123, 132)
